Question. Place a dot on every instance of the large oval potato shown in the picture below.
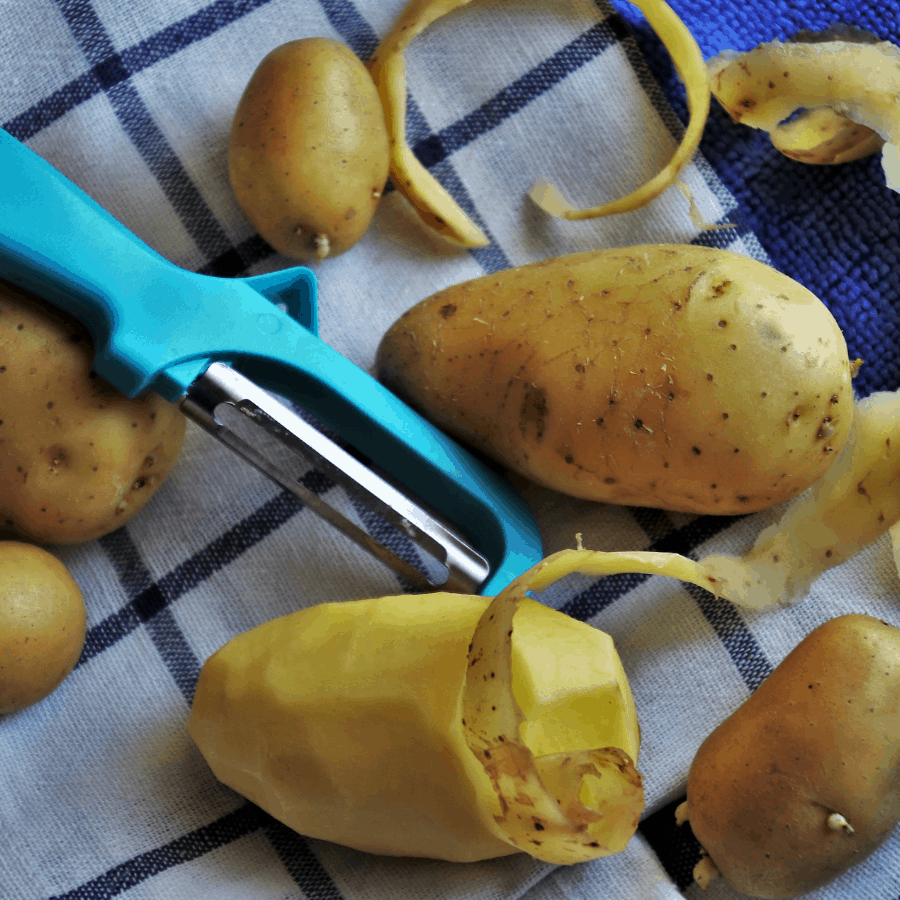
(803, 780)
(679, 377)
(347, 722)
(308, 156)
(78, 459)
(42, 624)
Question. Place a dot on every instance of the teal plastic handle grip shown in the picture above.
(157, 326)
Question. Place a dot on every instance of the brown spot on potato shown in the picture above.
(533, 414)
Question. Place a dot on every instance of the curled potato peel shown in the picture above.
(437, 208)
(688, 60)
(860, 82)
(825, 137)
(388, 69)
(564, 807)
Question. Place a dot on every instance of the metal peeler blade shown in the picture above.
(271, 437)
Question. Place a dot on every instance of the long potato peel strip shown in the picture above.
(764, 87)
(437, 208)
(566, 807)
(688, 60)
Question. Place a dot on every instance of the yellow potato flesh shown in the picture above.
(42, 624)
(308, 156)
(78, 459)
(672, 376)
(818, 743)
(824, 137)
(345, 721)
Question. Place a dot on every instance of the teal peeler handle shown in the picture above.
(157, 326)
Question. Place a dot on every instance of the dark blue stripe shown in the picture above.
(742, 646)
(723, 238)
(675, 845)
(588, 46)
(738, 640)
(291, 848)
(170, 643)
(109, 69)
(147, 599)
(236, 260)
(389, 537)
(229, 828)
(301, 863)
(354, 30)
(143, 132)
(165, 166)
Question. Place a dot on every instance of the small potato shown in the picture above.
(309, 156)
(802, 781)
(78, 459)
(42, 624)
(679, 377)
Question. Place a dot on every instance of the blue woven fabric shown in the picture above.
(102, 794)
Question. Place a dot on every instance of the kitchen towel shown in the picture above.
(102, 794)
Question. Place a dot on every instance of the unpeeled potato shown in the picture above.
(679, 377)
(308, 156)
(42, 624)
(800, 783)
(78, 458)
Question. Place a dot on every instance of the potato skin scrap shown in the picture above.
(78, 459)
(819, 737)
(854, 78)
(679, 377)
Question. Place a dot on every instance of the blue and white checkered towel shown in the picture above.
(102, 794)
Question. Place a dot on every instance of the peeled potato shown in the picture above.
(443, 726)
(42, 624)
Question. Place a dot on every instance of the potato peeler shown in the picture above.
(237, 355)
